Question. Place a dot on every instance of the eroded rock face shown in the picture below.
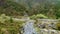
(48, 31)
(48, 23)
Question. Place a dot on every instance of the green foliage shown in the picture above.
(12, 8)
(39, 11)
(40, 16)
(9, 25)
(58, 25)
(58, 13)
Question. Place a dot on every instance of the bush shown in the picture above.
(10, 25)
(40, 16)
(58, 26)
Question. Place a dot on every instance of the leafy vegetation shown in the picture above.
(51, 9)
(9, 26)
(58, 25)
(39, 16)
(35, 9)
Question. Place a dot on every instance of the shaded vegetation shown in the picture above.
(12, 8)
(46, 10)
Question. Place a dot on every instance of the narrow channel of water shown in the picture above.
(29, 28)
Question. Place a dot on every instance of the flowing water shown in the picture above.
(29, 28)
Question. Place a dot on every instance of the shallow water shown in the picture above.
(29, 28)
